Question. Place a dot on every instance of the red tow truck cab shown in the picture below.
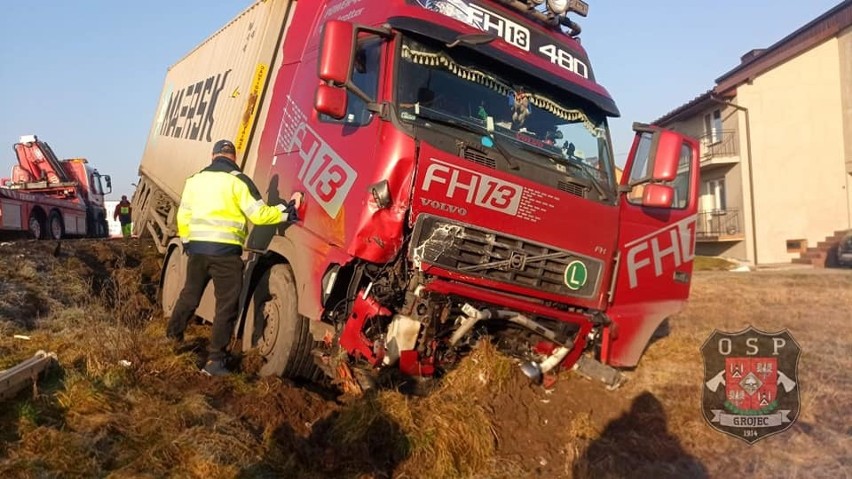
(459, 180)
(52, 198)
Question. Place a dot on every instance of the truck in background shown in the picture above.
(460, 185)
(52, 198)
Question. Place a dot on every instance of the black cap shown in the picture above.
(224, 146)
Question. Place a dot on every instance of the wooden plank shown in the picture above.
(18, 377)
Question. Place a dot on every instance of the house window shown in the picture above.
(713, 126)
(716, 190)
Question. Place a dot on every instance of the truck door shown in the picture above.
(658, 205)
(330, 158)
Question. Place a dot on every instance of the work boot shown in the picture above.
(215, 367)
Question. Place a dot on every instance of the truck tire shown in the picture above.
(55, 228)
(174, 275)
(36, 226)
(281, 335)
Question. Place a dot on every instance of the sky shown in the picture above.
(86, 75)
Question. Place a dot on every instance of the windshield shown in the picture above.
(553, 128)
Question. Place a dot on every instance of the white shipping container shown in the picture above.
(214, 92)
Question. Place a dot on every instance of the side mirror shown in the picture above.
(108, 181)
(336, 48)
(667, 158)
(657, 196)
(331, 101)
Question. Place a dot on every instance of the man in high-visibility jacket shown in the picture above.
(122, 215)
(214, 207)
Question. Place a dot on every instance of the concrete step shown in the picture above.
(821, 253)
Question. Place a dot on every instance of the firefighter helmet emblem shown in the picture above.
(750, 386)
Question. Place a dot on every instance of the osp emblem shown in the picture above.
(751, 386)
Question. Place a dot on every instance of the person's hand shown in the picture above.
(296, 199)
(290, 210)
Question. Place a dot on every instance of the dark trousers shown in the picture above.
(227, 275)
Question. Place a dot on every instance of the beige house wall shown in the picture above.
(797, 143)
(845, 47)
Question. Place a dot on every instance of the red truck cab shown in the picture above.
(460, 181)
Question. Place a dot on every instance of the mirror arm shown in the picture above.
(644, 128)
(385, 31)
(359, 93)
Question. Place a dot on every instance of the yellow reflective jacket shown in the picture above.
(215, 204)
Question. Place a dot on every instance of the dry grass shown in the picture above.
(815, 306)
(450, 429)
(158, 417)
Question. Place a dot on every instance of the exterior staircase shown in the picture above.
(823, 255)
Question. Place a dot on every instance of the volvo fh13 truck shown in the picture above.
(459, 185)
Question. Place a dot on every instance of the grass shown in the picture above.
(95, 416)
(712, 263)
(159, 417)
(814, 307)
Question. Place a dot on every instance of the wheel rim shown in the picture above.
(271, 321)
(35, 227)
(55, 228)
(171, 292)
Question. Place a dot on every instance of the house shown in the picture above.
(776, 147)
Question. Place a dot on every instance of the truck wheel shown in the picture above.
(174, 275)
(55, 226)
(281, 335)
(36, 226)
(104, 228)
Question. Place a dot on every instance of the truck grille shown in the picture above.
(477, 252)
(572, 188)
(477, 157)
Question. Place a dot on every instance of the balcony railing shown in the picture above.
(722, 143)
(719, 225)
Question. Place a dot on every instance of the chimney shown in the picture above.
(748, 57)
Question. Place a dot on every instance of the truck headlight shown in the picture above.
(557, 6)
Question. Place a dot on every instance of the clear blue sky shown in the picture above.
(86, 75)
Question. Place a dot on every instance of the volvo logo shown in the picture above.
(518, 261)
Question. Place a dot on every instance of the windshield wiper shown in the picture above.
(438, 117)
(552, 156)
(591, 176)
